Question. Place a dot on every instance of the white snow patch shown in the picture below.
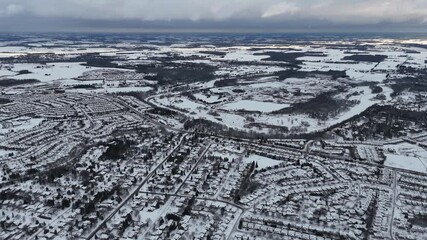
(250, 105)
(406, 156)
(263, 162)
(17, 124)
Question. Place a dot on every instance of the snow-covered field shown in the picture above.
(17, 124)
(406, 156)
(182, 103)
(247, 70)
(4, 153)
(262, 162)
(365, 101)
(262, 102)
(263, 90)
(48, 72)
(37, 49)
(249, 105)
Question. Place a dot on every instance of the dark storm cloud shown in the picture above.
(230, 15)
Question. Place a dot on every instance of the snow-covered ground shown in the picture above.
(406, 156)
(366, 100)
(37, 49)
(262, 102)
(250, 105)
(208, 99)
(18, 124)
(247, 70)
(242, 54)
(5, 153)
(46, 72)
(273, 84)
(263, 162)
(181, 103)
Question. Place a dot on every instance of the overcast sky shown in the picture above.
(213, 15)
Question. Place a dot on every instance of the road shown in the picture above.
(393, 204)
(197, 197)
(236, 224)
(147, 118)
(207, 199)
(307, 145)
(134, 192)
(169, 201)
(175, 194)
(50, 223)
(194, 167)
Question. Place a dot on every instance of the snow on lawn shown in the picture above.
(233, 120)
(263, 162)
(4, 153)
(146, 216)
(17, 124)
(406, 156)
(224, 154)
(405, 162)
(250, 105)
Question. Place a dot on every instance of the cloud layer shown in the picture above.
(288, 12)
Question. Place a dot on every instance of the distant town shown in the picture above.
(212, 137)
